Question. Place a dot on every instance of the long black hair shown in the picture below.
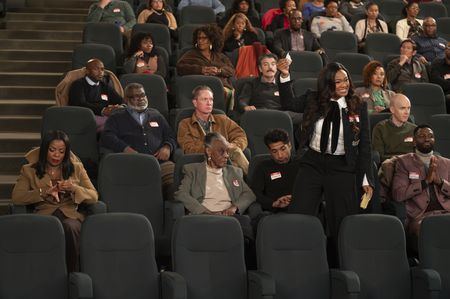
(67, 166)
(135, 44)
(326, 89)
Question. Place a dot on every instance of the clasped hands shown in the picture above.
(52, 193)
(227, 212)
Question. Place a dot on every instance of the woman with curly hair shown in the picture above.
(206, 58)
(337, 162)
(157, 13)
(238, 32)
(242, 6)
(143, 57)
(375, 91)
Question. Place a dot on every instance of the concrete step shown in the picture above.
(41, 93)
(18, 142)
(41, 25)
(30, 44)
(24, 107)
(34, 66)
(30, 79)
(59, 3)
(11, 163)
(4, 206)
(41, 55)
(7, 183)
(41, 34)
(66, 10)
(54, 17)
(20, 123)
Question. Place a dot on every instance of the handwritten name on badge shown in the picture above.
(275, 175)
(236, 183)
(116, 10)
(153, 124)
(414, 175)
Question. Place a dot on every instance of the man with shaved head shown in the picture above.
(95, 92)
(429, 45)
(394, 136)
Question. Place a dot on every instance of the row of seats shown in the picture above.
(117, 259)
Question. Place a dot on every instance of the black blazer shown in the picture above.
(358, 153)
(282, 42)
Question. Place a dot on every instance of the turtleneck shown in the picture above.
(425, 158)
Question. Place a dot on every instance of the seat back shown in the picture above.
(117, 251)
(194, 14)
(185, 34)
(436, 10)
(106, 34)
(155, 89)
(300, 86)
(426, 99)
(441, 125)
(355, 63)
(32, 257)
(208, 251)
(186, 84)
(84, 52)
(256, 124)
(132, 183)
(296, 259)
(380, 45)
(305, 64)
(434, 249)
(374, 247)
(160, 33)
(334, 42)
(443, 28)
(391, 10)
(79, 124)
(267, 4)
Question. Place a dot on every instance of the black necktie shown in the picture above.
(333, 116)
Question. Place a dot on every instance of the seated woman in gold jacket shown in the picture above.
(55, 182)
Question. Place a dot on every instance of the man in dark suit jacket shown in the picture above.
(295, 38)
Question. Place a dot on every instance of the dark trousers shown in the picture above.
(329, 178)
(72, 229)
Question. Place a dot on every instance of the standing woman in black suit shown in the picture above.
(337, 164)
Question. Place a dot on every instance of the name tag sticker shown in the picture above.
(104, 97)
(153, 124)
(140, 64)
(276, 93)
(447, 76)
(275, 175)
(418, 75)
(408, 139)
(414, 175)
(236, 183)
(116, 10)
(442, 45)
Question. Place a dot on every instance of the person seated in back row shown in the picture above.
(139, 129)
(94, 92)
(114, 12)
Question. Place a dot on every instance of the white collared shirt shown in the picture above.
(315, 140)
(90, 82)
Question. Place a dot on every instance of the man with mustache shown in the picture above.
(262, 92)
(421, 180)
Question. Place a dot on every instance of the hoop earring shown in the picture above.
(209, 158)
(196, 45)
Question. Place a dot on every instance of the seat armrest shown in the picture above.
(80, 286)
(426, 283)
(92, 209)
(344, 284)
(260, 285)
(173, 285)
(173, 209)
(20, 209)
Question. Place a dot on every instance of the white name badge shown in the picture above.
(116, 10)
(413, 175)
(275, 175)
(153, 124)
(408, 139)
(236, 183)
(104, 97)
